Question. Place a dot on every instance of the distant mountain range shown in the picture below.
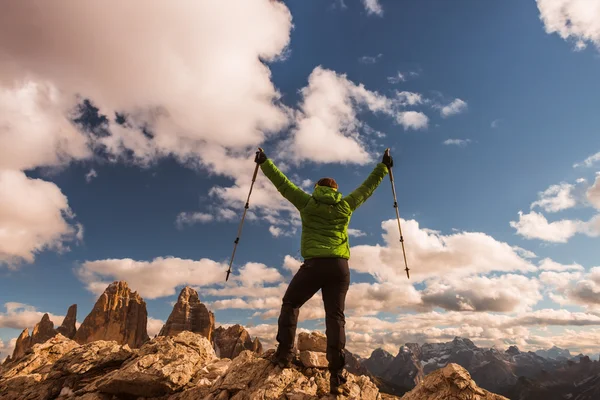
(543, 374)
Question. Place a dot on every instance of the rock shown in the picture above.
(119, 315)
(450, 382)
(189, 314)
(26, 378)
(67, 328)
(43, 330)
(41, 356)
(22, 345)
(88, 362)
(313, 359)
(251, 377)
(230, 342)
(257, 346)
(100, 355)
(513, 351)
(162, 366)
(314, 341)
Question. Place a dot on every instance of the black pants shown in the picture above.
(332, 276)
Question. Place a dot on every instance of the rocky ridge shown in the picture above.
(185, 367)
(189, 314)
(119, 315)
(43, 331)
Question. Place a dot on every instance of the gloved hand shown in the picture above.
(387, 159)
(260, 158)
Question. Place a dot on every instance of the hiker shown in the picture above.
(325, 249)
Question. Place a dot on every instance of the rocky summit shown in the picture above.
(189, 314)
(68, 326)
(43, 331)
(230, 342)
(119, 315)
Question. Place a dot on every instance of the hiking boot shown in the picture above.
(283, 359)
(337, 382)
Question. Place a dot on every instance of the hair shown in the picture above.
(328, 182)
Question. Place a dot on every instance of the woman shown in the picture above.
(325, 249)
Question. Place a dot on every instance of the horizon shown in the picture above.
(127, 154)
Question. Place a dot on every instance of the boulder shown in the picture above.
(314, 341)
(26, 378)
(162, 366)
(450, 382)
(189, 314)
(230, 342)
(313, 359)
(68, 326)
(119, 315)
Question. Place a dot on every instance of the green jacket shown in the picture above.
(326, 213)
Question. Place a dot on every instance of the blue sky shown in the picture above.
(487, 107)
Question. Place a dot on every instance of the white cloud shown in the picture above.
(457, 142)
(166, 83)
(575, 288)
(506, 293)
(593, 193)
(34, 216)
(91, 175)
(399, 77)
(327, 127)
(556, 198)
(431, 253)
(191, 218)
(495, 123)
(36, 130)
(151, 279)
(6, 349)
(356, 233)
(218, 214)
(275, 231)
(535, 226)
(588, 162)
(291, 264)
(157, 78)
(412, 120)
(409, 98)
(455, 107)
(373, 7)
(548, 264)
(154, 326)
(370, 59)
(572, 19)
(253, 274)
(21, 316)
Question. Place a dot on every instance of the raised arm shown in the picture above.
(364, 191)
(291, 192)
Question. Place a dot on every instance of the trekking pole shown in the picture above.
(387, 151)
(239, 232)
